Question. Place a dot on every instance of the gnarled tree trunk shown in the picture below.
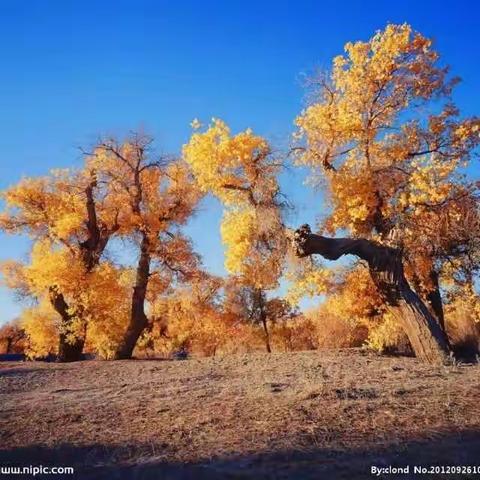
(138, 319)
(426, 336)
(68, 350)
(431, 295)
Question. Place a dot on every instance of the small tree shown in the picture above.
(241, 172)
(12, 337)
(190, 318)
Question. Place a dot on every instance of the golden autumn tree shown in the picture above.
(388, 146)
(42, 325)
(356, 303)
(241, 171)
(70, 218)
(155, 197)
(189, 318)
(12, 337)
(97, 299)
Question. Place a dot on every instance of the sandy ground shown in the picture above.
(307, 415)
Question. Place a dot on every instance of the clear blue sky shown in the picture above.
(72, 70)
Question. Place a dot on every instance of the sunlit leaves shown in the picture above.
(42, 325)
(241, 171)
(310, 281)
(123, 191)
(391, 150)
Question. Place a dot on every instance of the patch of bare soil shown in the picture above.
(307, 415)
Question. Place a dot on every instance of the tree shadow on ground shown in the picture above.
(141, 462)
(15, 371)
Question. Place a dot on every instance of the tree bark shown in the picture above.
(68, 351)
(427, 338)
(434, 298)
(267, 334)
(259, 306)
(91, 251)
(138, 319)
(431, 296)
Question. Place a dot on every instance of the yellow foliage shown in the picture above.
(45, 204)
(240, 171)
(42, 325)
(310, 281)
(72, 215)
(12, 337)
(106, 307)
(383, 166)
(238, 231)
(299, 333)
(353, 312)
(330, 330)
(391, 173)
(189, 318)
(56, 267)
(228, 165)
(386, 334)
(462, 319)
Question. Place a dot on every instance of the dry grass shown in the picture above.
(328, 414)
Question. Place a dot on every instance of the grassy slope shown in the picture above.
(327, 414)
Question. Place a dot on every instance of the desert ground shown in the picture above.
(308, 415)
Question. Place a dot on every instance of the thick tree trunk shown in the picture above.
(434, 298)
(138, 319)
(427, 338)
(91, 251)
(68, 351)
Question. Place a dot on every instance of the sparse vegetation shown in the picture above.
(322, 414)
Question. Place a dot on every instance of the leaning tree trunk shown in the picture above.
(69, 350)
(426, 336)
(138, 319)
